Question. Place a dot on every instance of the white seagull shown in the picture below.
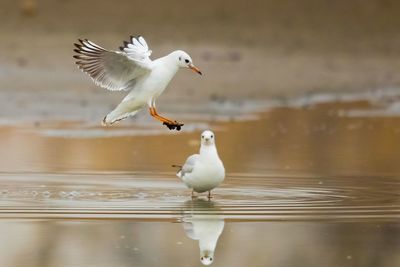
(131, 69)
(204, 171)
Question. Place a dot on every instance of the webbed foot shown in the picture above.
(175, 125)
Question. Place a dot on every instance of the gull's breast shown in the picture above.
(158, 79)
(205, 177)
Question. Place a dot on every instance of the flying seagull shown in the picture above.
(204, 171)
(131, 69)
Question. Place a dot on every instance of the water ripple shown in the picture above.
(160, 196)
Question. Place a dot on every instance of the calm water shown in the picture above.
(315, 186)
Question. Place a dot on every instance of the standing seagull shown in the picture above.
(132, 69)
(204, 171)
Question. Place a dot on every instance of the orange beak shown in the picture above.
(195, 69)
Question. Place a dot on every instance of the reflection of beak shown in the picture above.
(195, 69)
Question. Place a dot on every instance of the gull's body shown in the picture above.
(131, 69)
(204, 171)
(146, 88)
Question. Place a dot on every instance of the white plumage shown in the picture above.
(132, 69)
(203, 222)
(204, 171)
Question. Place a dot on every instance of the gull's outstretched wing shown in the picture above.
(189, 164)
(137, 49)
(111, 69)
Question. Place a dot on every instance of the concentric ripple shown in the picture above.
(160, 196)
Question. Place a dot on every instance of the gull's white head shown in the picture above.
(207, 259)
(207, 138)
(183, 60)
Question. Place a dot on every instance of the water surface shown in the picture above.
(316, 185)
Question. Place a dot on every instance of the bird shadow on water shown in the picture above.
(203, 222)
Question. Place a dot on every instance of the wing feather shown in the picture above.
(189, 164)
(136, 48)
(110, 69)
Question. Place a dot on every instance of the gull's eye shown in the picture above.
(210, 259)
(202, 136)
(187, 60)
(212, 136)
(180, 58)
(201, 258)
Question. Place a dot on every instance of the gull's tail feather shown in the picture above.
(178, 173)
(176, 166)
(124, 110)
(114, 117)
(108, 121)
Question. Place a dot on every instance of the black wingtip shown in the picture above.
(176, 166)
(125, 44)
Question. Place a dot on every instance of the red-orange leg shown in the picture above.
(153, 112)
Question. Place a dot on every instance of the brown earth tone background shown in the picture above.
(247, 49)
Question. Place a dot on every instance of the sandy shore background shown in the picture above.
(247, 49)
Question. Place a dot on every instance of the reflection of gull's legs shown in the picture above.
(209, 194)
(193, 196)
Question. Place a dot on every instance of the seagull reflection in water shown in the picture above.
(203, 221)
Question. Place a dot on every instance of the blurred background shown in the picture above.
(255, 56)
(246, 49)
